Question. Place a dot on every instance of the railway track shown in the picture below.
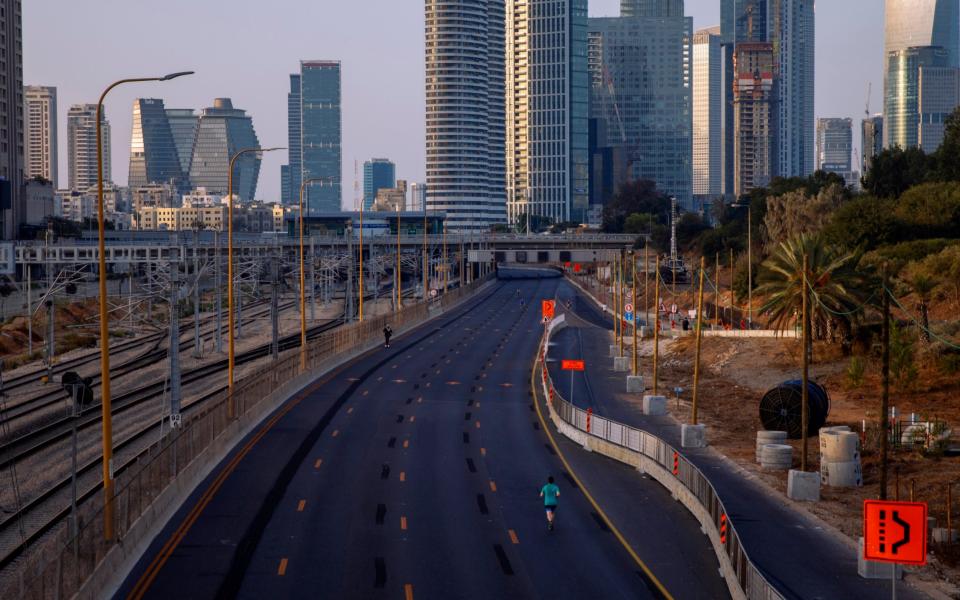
(47, 403)
(40, 514)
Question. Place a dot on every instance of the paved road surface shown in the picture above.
(414, 472)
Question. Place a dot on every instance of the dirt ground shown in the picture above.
(731, 388)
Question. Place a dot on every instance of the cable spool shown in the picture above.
(780, 408)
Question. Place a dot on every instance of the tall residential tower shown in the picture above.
(82, 146)
(465, 112)
(40, 133)
(547, 109)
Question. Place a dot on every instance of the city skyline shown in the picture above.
(855, 33)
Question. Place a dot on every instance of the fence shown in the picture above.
(61, 563)
(668, 466)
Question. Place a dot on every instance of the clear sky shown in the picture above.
(245, 49)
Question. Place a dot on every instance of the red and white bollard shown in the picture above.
(589, 414)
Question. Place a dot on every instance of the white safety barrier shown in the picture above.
(651, 455)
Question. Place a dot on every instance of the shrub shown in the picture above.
(855, 371)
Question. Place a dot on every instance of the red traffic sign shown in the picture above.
(628, 307)
(567, 264)
(572, 365)
(549, 307)
(895, 532)
(576, 267)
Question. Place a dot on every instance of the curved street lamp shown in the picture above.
(105, 408)
(303, 297)
(230, 353)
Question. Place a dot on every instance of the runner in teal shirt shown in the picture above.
(550, 493)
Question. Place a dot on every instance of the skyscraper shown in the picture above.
(547, 110)
(82, 146)
(871, 140)
(465, 112)
(11, 115)
(378, 174)
(919, 35)
(183, 127)
(753, 105)
(153, 153)
(40, 133)
(290, 172)
(708, 108)
(835, 148)
(651, 8)
(418, 197)
(792, 33)
(315, 136)
(221, 132)
(641, 98)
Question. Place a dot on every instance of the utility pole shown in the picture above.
(51, 309)
(696, 364)
(313, 282)
(636, 315)
(621, 267)
(731, 290)
(275, 306)
(174, 350)
(29, 268)
(750, 266)
(239, 295)
(716, 296)
(656, 324)
(216, 267)
(885, 394)
(804, 397)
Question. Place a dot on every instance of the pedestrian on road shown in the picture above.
(387, 332)
(550, 493)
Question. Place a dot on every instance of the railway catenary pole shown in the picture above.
(656, 324)
(174, 350)
(197, 352)
(216, 267)
(105, 405)
(231, 355)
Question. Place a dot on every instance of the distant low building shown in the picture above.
(153, 194)
(392, 199)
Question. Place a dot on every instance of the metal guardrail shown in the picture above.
(748, 578)
(70, 555)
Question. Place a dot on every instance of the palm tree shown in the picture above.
(923, 285)
(835, 285)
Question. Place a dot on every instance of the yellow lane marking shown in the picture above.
(301, 505)
(413, 418)
(586, 492)
(477, 405)
(349, 410)
(380, 378)
(420, 400)
(365, 392)
(317, 464)
(513, 536)
(282, 570)
(493, 485)
(336, 432)
(408, 591)
(483, 451)
(403, 475)
(478, 424)
(406, 443)
(403, 523)
(479, 388)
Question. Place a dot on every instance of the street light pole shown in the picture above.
(231, 358)
(104, 323)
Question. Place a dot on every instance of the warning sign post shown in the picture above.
(895, 532)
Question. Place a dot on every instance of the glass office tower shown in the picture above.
(183, 126)
(290, 172)
(320, 135)
(642, 97)
(221, 132)
(153, 153)
(378, 173)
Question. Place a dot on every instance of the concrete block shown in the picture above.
(802, 485)
(634, 384)
(693, 436)
(654, 405)
(621, 364)
(942, 535)
(869, 569)
(614, 350)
